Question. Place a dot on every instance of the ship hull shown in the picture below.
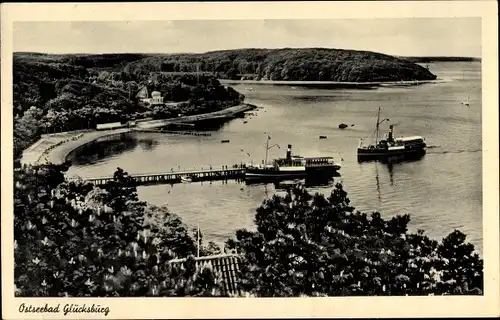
(256, 173)
(376, 153)
(277, 174)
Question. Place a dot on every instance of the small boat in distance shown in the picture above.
(390, 146)
(224, 141)
(343, 126)
(186, 179)
(322, 137)
(466, 102)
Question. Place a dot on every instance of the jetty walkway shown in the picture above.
(225, 173)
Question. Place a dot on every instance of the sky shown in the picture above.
(403, 36)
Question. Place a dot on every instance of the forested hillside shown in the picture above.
(69, 92)
(311, 64)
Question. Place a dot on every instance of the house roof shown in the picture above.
(225, 264)
(143, 93)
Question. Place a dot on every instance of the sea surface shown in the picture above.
(441, 192)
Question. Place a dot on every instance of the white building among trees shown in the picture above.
(155, 99)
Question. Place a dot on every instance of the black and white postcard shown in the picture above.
(193, 160)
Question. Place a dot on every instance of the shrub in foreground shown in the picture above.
(316, 246)
(73, 239)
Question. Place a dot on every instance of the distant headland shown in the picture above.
(425, 59)
(287, 64)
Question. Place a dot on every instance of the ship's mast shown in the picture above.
(378, 124)
(267, 149)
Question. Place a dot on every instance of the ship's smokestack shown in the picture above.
(391, 128)
(289, 152)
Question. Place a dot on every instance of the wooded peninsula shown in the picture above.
(55, 93)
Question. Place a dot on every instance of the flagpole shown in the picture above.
(267, 149)
(198, 241)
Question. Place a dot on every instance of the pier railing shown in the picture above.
(225, 173)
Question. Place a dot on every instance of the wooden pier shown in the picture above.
(188, 133)
(181, 132)
(172, 177)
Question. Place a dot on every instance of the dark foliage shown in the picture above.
(316, 246)
(74, 92)
(309, 64)
(73, 239)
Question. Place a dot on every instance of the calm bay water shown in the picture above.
(442, 191)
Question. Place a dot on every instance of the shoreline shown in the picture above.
(55, 148)
(227, 113)
(331, 83)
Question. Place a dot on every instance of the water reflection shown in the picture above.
(211, 125)
(389, 163)
(390, 166)
(377, 179)
(148, 144)
(394, 158)
(286, 183)
(99, 150)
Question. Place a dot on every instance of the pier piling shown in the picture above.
(235, 172)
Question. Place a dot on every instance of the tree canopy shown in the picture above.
(304, 64)
(74, 239)
(309, 245)
(74, 92)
